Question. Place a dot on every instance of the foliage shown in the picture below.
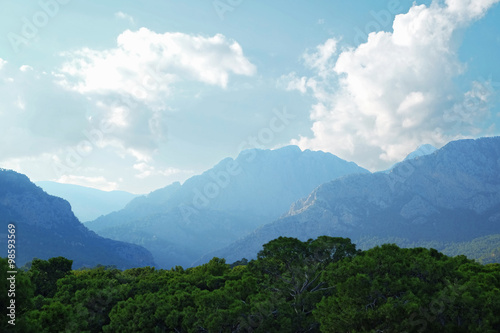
(391, 289)
(484, 249)
(17, 288)
(320, 285)
(45, 273)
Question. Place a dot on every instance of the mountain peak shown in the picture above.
(284, 149)
(422, 150)
(289, 148)
(223, 203)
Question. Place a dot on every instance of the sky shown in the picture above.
(134, 95)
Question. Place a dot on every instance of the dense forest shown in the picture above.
(321, 285)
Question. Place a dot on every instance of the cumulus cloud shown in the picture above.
(2, 63)
(145, 65)
(379, 100)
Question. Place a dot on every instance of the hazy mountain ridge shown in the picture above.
(451, 195)
(421, 150)
(137, 208)
(223, 204)
(46, 227)
(88, 203)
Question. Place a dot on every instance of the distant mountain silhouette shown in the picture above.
(180, 223)
(46, 227)
(88, 203)
(451, 195)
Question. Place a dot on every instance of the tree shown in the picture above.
(45, 273)
(391, 289)
(293, 268)
(15, 287)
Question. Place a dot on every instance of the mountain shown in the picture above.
(449, 196)
(180, 223)
(88, 203)
(422, 150)
(46, 227)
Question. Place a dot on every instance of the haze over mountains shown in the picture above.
(45, 227)
(181, 223)
(448, 199)
(451, 195)
(88, 203)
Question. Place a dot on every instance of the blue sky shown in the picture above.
(134, 95)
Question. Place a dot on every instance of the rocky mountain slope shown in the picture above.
(180, 223)
(46, 227)
(451, 195)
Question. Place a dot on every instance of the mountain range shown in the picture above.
(181, 223)
(45, 227)
(449, 196)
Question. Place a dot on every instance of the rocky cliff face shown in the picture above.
(451, 195)
(180, 223)
(46, 227)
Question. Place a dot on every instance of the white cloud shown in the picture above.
(132, 84)
(321, 59)
(383, 98)
(292, 82)
(139, 156)
(95, 182)
(25, 68)
(124, 16)
(146, 170)
(474, 107)
(467, 10)
(20, 103)
(109, 105)
(2, 63)
(174, 171)
(145, 65)
(36, 162)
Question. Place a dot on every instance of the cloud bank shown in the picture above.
(380, 100)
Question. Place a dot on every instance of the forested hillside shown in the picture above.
(321, 285)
